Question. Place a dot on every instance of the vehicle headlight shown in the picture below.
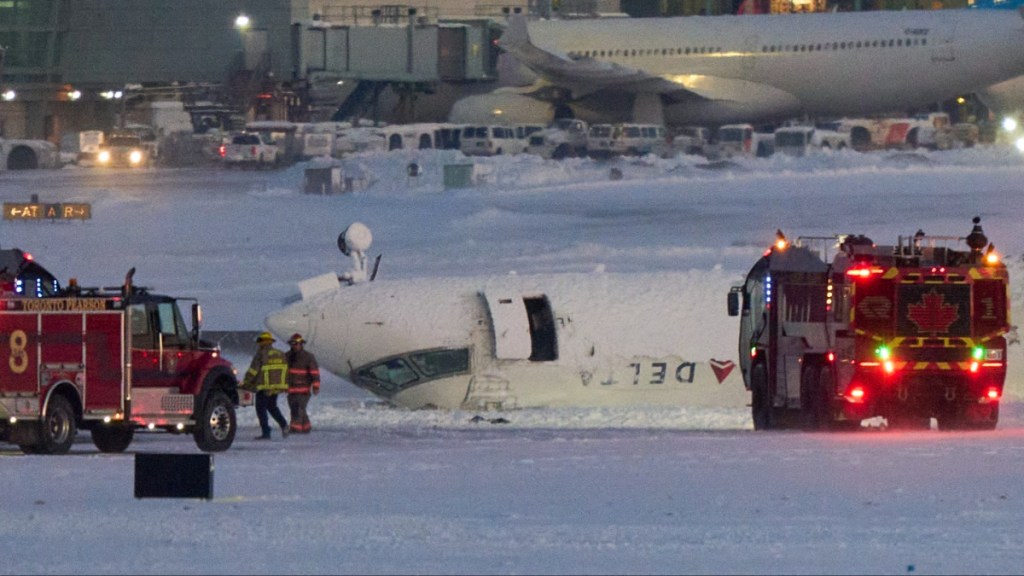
(135, 157)
(103, 156)
(1019, 143)
(1009, 124)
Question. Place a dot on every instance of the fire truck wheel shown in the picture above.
(112, 439)
(57, 430)
(215, 423)
(813, 414)
(760, 398)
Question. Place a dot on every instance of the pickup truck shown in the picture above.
(250, 149)
(123, 149)
(802, 140)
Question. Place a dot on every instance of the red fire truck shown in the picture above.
(907, 332)
(109, 360)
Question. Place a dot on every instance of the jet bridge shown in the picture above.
(419, 50)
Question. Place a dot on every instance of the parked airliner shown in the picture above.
(515, 341)
(753, 68)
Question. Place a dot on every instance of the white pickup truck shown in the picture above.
(250, 149)
(802, 140)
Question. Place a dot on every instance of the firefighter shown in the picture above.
(267, 375)
(303, 379)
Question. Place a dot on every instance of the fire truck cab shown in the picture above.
(113, 361)
(907, 332)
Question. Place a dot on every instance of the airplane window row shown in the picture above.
(891, 43)
(645, 52)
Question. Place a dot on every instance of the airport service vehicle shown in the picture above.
(512, 341)
(933, 131)
(113, 361)
(691, 139)
(742, 140)
(627, 139)
(250, 149)
(565, 138)
(490, 140)
(906, 332)
(124, 150)
(803, 140)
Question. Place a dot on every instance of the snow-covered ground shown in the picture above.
(380, 490)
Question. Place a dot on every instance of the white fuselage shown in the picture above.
(754, 68)
(557, 340)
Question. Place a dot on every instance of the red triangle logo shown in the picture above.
(721, 368)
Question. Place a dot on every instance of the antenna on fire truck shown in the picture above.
(126, 290)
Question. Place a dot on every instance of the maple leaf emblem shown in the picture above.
(933, 313)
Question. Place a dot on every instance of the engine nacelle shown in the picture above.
(503, 106)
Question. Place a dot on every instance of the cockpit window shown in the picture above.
(392, 375)
(439, 363)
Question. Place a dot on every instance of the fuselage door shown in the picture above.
(942, 41)
(749, 53)
(511, 326)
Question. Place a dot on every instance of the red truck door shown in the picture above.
(161, 354)
(84, 348)
(104, 360)
(19, 348)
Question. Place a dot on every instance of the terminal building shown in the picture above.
(74, 65)
(68, 66)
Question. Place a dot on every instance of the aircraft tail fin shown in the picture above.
(516, 41)
(516, 34)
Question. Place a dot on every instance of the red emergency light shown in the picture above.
(863, 272)
(856, 394)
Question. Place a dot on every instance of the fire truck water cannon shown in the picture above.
(838, 329)
(112, 361)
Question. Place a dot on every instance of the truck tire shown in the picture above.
(112, 439)
(215, 423)
(958, 420)
(58, 428)
(814, 398)
(760, 399)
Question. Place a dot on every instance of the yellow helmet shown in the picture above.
(265, 337)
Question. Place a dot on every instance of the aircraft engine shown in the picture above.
(503, 106)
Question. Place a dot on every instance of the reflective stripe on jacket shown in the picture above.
(268, 371)
(303, 372)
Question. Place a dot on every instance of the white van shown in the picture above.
(743, 140)
(490, 140)
(409, 136)
(606, 140)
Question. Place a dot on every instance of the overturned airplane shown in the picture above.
(515, 341)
